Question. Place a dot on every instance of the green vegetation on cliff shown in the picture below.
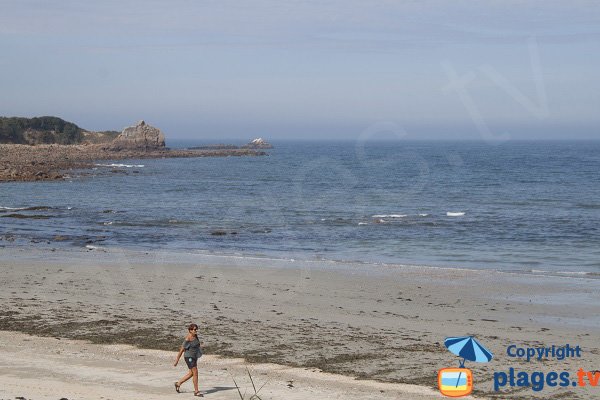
(39, 130)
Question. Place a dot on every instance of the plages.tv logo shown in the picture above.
(458, 382)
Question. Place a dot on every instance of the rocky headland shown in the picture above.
(26, 162)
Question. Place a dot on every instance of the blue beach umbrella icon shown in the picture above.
(469, 349)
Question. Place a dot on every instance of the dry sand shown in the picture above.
(47, 368)
(371, 322)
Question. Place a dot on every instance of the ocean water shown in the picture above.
(514, 206)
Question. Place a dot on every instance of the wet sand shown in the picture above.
(368, 322)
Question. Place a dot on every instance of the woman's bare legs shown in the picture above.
(191, 373)
(188, 376)
(194, 371)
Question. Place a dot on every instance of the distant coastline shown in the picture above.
(47, 148)
(52, 162)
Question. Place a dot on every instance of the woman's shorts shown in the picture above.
(191, 362)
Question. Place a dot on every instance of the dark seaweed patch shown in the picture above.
(22, 216)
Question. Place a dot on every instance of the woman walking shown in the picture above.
(191, 353)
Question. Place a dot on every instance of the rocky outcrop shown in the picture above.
(258, 143)
(139, 137)
(19, 162)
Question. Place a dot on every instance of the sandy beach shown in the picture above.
(80, 370)
(327, 323)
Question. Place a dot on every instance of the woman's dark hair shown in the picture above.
(193, 326)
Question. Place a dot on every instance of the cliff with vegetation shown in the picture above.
(48, 130)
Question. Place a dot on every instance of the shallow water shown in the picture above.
(516, 206)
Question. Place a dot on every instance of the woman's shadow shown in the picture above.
(217, 389)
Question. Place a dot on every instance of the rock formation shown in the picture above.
(23, 162)
(258, 143)
(139, 137)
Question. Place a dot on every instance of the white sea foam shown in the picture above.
(389, 216)
(363, 223)
(108, 223)
(455, 214)
(423, 215)
(31, 208)
(121, 165)
(562, 272)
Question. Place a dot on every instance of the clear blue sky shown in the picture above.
(334, 69)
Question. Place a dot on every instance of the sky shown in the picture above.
(303, 69)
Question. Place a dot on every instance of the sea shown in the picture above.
(526, 207)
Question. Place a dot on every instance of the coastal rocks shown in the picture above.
(28, 173)
(258, 143)
(215, 147)
(23, 216)
(220, 232)
(47, 175)
(51, 162)
(139, 137)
